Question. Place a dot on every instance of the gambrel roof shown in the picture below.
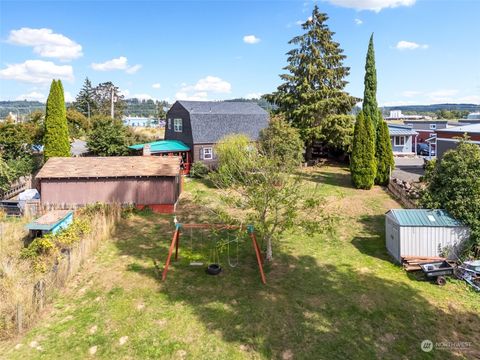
(212, 120)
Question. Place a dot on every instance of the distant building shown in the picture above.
(403, 139)
(136, 121)
(397, 115)
(449, 138)
(426, 128)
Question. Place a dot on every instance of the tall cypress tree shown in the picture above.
(363, 163)
(314, 86)
(370, 105)
(84, 102)
(56, 140)
(384, 153)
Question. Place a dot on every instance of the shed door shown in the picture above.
(396, 242)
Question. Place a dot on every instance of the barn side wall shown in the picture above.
(432, 241)
(139, 191)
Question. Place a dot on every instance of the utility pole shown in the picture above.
(111, 109)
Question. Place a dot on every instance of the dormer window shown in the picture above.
(177, 125)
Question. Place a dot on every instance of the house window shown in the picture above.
(207, 153)
(433, 126)
(399, 140)
(177, 125)
(169, 124)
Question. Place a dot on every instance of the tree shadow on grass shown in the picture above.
(307, 310)
(373, 244)
(343, 180)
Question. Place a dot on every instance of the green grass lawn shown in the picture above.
(329, 296)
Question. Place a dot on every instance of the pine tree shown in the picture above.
(314, 86)
(56, 140)
(84, 102)
(370, 105)
(384, 153)
(363, 164)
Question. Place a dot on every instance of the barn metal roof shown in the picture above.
(109, 167)
(424, 218)
(213, 120)
(399, 130)
(163, 146)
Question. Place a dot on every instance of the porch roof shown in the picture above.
(398, 130)
(163, 146)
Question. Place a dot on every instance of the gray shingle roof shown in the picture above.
(212, 120)
(396, 130)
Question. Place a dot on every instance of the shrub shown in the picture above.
(199, 170)
(363, 164)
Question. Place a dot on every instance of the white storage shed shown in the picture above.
(423, 232)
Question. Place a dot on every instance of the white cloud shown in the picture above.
(201, 90)
(68, 97)
(251, 39)
(442, 96)
(156, 86)
(46, 43)
(32, 96)
(409, 45)
(373, 5)
(120, 63)
(214, 84)
(254, 95)
(358, 21)
(125, 92)
(399, 103)
(301, 22)
(37, 72)
(133, 69)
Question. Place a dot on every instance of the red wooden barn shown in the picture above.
(138, 180)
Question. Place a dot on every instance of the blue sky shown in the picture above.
(427, 51)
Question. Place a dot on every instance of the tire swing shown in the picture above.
(214, 267)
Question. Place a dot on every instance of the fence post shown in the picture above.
(19, 318)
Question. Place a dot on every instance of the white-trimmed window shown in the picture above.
(177, 125)
(207, 153)
(399, 140)
(169, 124)
(433, 126)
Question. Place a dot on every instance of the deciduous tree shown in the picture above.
(108, 137)
(453, 184)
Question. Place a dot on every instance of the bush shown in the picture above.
(108, 137)
(199, 170)
(363, 165)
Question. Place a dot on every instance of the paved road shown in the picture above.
(408, 169)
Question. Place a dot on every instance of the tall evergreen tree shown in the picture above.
(84, 102)
(384, 153)
(56, 140)
(370, 105)
(314, 86)
(363, 163)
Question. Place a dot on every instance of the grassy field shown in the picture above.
(329, 296)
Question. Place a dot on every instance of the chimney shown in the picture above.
(146, 150)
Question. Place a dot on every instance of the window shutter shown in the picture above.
(214, 154)
(201, 153)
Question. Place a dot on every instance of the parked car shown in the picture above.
(422, 149)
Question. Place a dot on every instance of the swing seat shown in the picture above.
(196, 263)
(214, 269)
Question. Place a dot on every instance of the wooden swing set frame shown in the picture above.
(176, 241)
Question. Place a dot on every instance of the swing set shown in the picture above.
(214, 255)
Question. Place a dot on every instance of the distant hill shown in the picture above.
(434, 108)
(19, 107)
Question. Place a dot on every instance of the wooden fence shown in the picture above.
(402, 196)
(22, 184)
(33, 296)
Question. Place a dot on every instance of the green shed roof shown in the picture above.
(424, 218)
(163, 146)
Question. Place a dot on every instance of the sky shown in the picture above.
(427, 51)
